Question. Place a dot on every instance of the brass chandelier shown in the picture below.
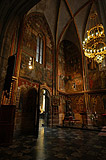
(94, 45)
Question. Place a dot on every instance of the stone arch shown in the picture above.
(44, 86)
(48, 89)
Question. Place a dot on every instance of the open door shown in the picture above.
(29, 112)
(45, 107)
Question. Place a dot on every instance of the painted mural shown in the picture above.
(96, 108)
(76, 103)
(96, 75)
(34, 25)
(73, 103)
(69, 68)
(62, 107)
(61, 69)
(48, 58)
(97, 103)
(95, 72)
(29, 40)
(38, 73)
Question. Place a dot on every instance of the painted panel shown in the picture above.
(69, 68)
(39, 73)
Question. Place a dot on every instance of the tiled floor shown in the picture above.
(57, 144)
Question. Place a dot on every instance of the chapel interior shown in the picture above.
(52, 67)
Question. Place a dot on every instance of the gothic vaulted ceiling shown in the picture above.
(66, 18)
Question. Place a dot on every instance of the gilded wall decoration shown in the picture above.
(23, 82)
(69, 68)
(24, 67)
(34, 25)
(62, 107)
(97, 80)
(48, 58)
(96, 103)
(29, 40)
(77, 103)
(39, 73)
(96, 74)
(61, 69)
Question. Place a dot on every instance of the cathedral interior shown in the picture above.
(52, 79)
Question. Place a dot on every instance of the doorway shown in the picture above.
(44, 107)
(29, 112)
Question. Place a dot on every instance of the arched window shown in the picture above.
(39, 49)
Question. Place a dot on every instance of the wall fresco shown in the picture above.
(97, 80)
(61, 69)
(62, 107)
(96, 107)
(48, 58)
(33, 25)
(97, 103)
(24, 67)
(39, 73)
(29, 40)
(69, 68)
(75, 103)
(96, 74)
(27, 84)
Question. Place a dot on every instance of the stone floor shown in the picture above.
(57, 144)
